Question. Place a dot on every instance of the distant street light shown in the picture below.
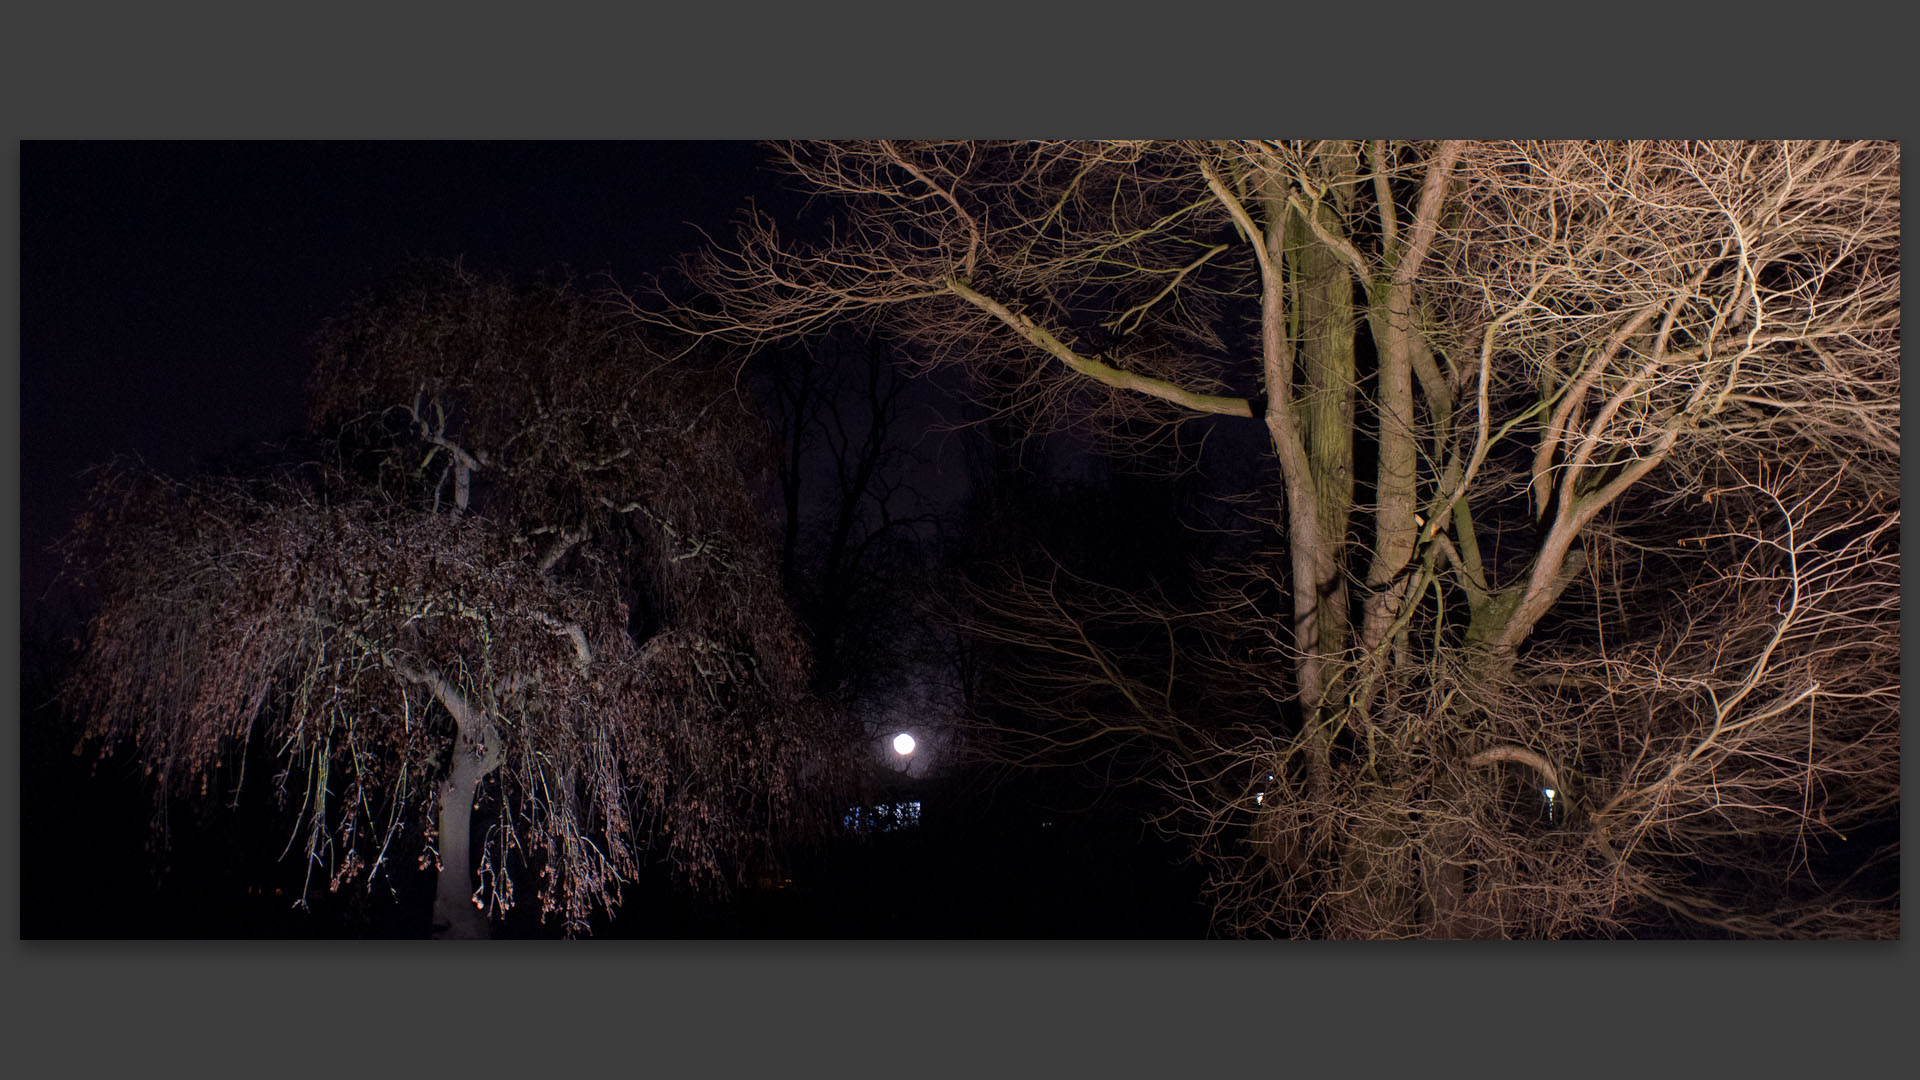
(903, 744)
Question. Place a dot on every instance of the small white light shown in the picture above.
(1548, 792)
(903, 744)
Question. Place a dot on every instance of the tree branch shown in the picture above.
(1094, 369)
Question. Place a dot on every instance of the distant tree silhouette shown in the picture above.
(854, 525)
(517, 617)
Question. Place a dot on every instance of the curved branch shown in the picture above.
(1519, 755)
(1094, 369)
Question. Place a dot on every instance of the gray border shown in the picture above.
(1195, 1009)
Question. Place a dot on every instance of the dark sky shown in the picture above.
(168, 289)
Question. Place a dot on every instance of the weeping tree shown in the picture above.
(1569, 601)
(517, 618)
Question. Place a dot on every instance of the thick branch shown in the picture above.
(1094, 369)
(1398, 482)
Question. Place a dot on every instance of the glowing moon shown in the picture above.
(903, 744)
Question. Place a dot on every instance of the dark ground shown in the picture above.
(983, 864)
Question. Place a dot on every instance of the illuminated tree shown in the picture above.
(1581, 471)
(521, 617)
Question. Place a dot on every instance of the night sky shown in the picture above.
(168, 288)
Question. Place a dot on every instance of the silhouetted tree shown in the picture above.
(853, 521)
(522, 609)
(1578, 595)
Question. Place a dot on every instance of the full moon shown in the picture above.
(903, 744)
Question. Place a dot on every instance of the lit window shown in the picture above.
(884, 817)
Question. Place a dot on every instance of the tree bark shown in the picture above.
(454, 913)
(476, 752)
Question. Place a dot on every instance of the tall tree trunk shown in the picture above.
(1325, 321)
(1312, 448)
(476, 753)
(454, 914)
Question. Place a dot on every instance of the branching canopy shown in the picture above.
(524, 575)
(1581, 474)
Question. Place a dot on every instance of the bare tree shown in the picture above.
(525, 612)
(852, 517)
(1577, 604)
